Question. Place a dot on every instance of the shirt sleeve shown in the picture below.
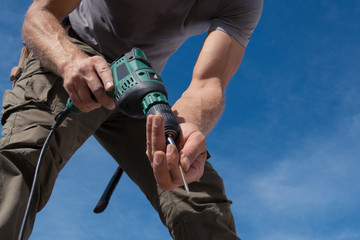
(238, 18)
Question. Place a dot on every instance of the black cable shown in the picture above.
(59, 118)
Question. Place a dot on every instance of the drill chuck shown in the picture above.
(171, 125)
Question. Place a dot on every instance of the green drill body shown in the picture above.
(138, 90)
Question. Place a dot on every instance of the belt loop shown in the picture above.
(17, 70)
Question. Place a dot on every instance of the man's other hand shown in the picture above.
(190, 152)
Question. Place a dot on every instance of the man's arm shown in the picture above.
(44, 35)
(203, 102)
(197, 111)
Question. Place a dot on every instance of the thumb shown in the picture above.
(104, 72)
(194, 147)
(185, 162)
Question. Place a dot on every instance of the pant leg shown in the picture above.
(205, 214)
(13, 200)
(28, 113)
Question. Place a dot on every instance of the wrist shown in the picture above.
(201, 108)
(69, 61)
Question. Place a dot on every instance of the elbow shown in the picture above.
(32, 17)
(40, 19)
(27, 24)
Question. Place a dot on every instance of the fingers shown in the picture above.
(161, 173)
(155, 135)
(85, 83)
(194, 147)
(196, 169)
(172, 157)
(193, 154)
(164, 159)
(105, 74)
(155, 142)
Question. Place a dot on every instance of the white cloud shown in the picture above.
(312, 186)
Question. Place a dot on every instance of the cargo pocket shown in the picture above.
(34, 89)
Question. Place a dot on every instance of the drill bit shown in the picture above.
(171, 141)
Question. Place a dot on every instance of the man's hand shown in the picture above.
(88, 76)
(83, 75)
(165, 159)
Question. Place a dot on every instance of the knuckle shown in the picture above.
(97, 58)
(69, 86)
(148, 143)
(172, 163)
(87, 101)
(101, 64)
(200, 136)
(98, 91)
(148, 152)
(83, 67)
(103, 69)
(199, 175)
(92, 59)
(199, 170)
(178, 181)
(166, 187)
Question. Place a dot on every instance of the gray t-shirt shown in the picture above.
(159, 27)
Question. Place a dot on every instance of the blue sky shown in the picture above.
(287, 145)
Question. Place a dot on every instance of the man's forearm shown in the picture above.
(203, 102)
(200, 107)
(44, 35)
(83, 76)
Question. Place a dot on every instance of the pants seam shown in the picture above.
(11, 130)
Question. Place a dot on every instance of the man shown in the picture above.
(73, 61)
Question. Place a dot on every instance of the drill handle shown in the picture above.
(71, 106)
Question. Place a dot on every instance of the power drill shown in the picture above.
(138, 90)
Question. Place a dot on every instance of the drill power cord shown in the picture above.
(59, 118)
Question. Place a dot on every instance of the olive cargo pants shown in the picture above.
(27, 115)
